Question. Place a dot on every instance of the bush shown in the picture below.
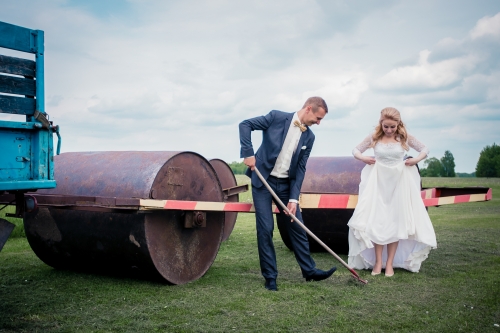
(238, 168)
(466, 175)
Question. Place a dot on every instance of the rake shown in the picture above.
(309, 232)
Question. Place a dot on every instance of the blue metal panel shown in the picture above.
(17, 66)
(27, 185)
(26, 158)
(19, 125)
(17, 105)
(17, 85)
(16, 38)
(16, 155)
(40, 154)
(40, 74)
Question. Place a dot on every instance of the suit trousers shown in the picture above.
(262, 200)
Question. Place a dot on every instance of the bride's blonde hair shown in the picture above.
(401, 135)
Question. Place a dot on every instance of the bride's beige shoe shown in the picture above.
(374, 273)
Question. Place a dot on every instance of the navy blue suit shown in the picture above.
(274, 127)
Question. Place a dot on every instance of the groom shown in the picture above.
(282, 157)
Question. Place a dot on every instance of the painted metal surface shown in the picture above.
(157, 242)
(227, 180)
(332, 175)
(26, 162)
(39, 50)
(26, 158)
(17, 38)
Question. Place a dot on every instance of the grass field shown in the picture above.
(457, 289)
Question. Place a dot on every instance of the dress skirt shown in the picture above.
(390, 209)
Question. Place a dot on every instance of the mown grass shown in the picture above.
(457, 289)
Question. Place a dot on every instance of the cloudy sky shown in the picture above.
(181, 75)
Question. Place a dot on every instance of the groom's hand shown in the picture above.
(292, 207)
(250, 162)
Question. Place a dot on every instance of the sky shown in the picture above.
(181, 75)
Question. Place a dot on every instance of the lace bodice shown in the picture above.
(390, 153)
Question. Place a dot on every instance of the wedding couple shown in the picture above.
(390, 226)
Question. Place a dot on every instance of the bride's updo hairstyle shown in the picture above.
(401, 135)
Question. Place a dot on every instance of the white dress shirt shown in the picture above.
(282, 165)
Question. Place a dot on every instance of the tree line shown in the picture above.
(444, 167)
(238, 168)
(488, 165)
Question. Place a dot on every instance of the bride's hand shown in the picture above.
(368, 160)
(410, 162)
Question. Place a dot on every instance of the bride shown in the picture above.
(390, 226)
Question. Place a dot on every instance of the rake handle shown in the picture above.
(309, 232)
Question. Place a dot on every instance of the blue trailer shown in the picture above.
(26, 147)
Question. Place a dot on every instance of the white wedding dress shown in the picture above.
(390, 209)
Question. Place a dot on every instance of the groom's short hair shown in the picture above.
(316, 102)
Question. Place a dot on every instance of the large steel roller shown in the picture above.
(326, 175)
(227, 180)
(160, 241)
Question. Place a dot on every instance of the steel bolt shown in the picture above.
(198, 219)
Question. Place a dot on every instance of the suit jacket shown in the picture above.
(274, 127)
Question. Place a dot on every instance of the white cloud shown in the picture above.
(487, 26)
(180, 75)
(428, 76)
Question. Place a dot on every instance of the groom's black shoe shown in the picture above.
(319, 275)
(271, 284)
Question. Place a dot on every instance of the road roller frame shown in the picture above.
(325, 206)
(432, 197)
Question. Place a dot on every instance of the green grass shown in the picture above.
(457, 289)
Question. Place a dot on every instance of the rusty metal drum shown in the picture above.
(227, 180)
(328, 175)
(156, 242)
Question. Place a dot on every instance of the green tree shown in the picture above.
(423, 172)
(433, 168)
(238, 168)
(448, 164)
(488, 164)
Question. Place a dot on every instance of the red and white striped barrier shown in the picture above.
(306, 201)
(428, 193)
(432, 200)
(205, 206)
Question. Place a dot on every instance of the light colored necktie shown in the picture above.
(303, 128)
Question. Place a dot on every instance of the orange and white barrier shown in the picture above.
(306, 201)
